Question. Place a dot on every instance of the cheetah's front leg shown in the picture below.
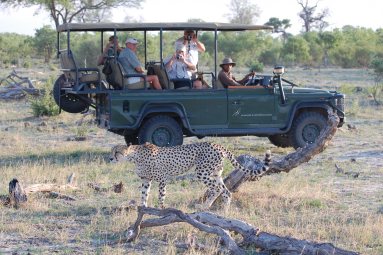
(145, 191)
(162, 192)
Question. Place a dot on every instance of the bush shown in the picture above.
(27, 64)
(81, 131)
(44, 104)
(288, 60)
(255, 66)
(52, 67)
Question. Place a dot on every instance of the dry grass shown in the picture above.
(312, 202)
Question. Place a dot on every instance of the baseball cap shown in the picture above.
(180, 47)
(131, 40)
(188, 30)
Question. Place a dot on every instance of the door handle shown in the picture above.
(236, 102)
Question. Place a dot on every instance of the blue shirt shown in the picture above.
(129, 61)
(178, 69)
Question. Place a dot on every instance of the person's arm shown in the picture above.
(222, 77)
(139, 70)
(201, 46)
(170, 62)
(246, 78)
(190, 66)
(101, 59)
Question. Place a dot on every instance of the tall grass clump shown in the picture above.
(346, 88)
(354, 108)
(44, 104)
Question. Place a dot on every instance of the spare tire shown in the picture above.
(69, 103)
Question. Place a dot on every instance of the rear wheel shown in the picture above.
(280, 140)
(69, 103)
(162, 131)
(306, 128)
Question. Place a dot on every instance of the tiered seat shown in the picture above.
(117, 78)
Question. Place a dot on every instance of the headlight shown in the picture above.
(279, 70)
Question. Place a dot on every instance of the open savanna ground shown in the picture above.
(312, 202)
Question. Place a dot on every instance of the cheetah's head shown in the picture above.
(121, 153)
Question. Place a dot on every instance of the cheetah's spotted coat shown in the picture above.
(159, 163)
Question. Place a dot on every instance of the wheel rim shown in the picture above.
(162, 137)
(310, 133)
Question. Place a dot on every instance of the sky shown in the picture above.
(366, 13)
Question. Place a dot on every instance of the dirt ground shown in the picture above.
(312, 202)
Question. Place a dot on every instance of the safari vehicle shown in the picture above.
(269, 106)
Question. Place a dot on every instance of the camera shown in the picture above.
(189, 37)
(111, 45)
(178, 56)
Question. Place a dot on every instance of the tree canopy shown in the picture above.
(243, 12)
(307, 14)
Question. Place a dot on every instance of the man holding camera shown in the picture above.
(108, 51)
(190, 41)
(179, 68)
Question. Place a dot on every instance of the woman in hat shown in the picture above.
(227, 78)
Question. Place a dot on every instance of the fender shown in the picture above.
(305, 104)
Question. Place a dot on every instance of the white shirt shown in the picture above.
(178, 69)
(192, 54)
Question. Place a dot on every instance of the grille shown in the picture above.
(338, 101)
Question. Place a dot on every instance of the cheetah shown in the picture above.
(160, 163)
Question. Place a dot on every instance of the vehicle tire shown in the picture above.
(69, 103)
(280, 140)
(306, 128)
(162, 131)
(131, 139)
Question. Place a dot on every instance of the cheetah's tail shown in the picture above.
(253, 172)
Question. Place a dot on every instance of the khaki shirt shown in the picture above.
(228, 79)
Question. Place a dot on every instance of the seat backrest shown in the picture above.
(115, 78)
(68, 63)
(161, 74)
(218, 84)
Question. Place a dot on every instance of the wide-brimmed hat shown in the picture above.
(131, 40)
(227, 61)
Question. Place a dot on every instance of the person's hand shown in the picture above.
(174, 57)
(194, 37)
(107, 47)
(251, 74)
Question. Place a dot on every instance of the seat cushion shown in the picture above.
(137, 85)
(91, 77)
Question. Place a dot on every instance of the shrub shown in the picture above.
(52, 67)
(288, 60)
(44, 104)
(81, 131)
(27, 64)
(354, 109)
(255, 66)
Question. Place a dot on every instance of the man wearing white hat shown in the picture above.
(131, 65)
(178, 67)
(227, 78)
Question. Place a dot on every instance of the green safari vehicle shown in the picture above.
(268, 106)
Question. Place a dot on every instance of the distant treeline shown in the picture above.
(348, 47)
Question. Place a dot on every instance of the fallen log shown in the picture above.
(19, 195)
(222, 227)
(16, 89)
(237, 178)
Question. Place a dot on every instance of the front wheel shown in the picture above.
(306, 128)
(69, 103)
(131, 139)
(162, 131)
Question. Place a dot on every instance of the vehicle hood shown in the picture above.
(304, 90)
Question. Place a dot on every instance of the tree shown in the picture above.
(328, 41)
(66, 11)
(44, 42)
(280, 26)
(298, 47)
(195, 20)
(242, 12)
(307, 14)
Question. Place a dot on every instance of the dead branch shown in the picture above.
(117, 187)
(16, 89)
(211, 223)
(54, 194)
(236, 178)
(18, 194)
(134, 230)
